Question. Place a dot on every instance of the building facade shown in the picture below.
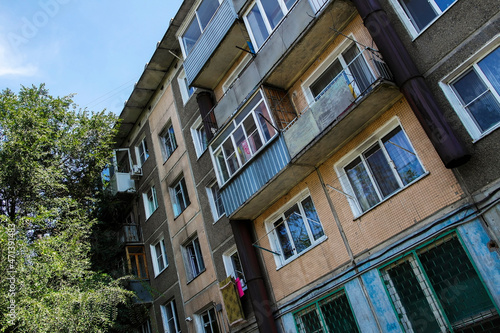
(320, 166)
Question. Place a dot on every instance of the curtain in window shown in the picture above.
(297, 229)
(381, 170)
(359, 69)
(361, 184)
(403, 156)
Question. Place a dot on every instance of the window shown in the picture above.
(142, 151)
(475, 94)
(233, 267)
(419, 14)
(215, 200)
(146, 327)
(179, 196)
(350, 66)
(330, 314)
(159, 257)
(168, 142)
(208, 321)
(436, 289)
(136, 260)
(199, 137)
(169, 317)
(150, 201)
(249, 131)
(264, 16)
(203, 15)
(186, 91)
(295, 229)
(388, 164)
(193, 259)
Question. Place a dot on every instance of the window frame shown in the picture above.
(155, 257)
(186, 91)
(425, 284)
(168, 134)
(194, 16)
(201, 322)
(133, 260)
(197, 131)
(213, 200)
(179, 186)
(164, 316)
(465, 117)
(142, 150)
(249, 111)
(359, 152)
(407, 20)
(317, 308)
(150, 206)
(267, 24)
(336, 55)
(236, 72)
(194, 268)
(274, 239)
(231, 270)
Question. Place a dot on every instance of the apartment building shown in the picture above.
(334, 159)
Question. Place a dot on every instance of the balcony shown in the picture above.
(143, 291)
(122, 172)
(351, 101)
(291, 48)
(216, 49)
(129, 234)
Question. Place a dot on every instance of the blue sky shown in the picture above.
(96, 49)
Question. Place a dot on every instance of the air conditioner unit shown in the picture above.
(136, 172)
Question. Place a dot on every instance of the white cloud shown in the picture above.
(12, 64)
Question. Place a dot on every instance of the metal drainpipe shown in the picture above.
(205, 104)
(242, 231)
(412, 84)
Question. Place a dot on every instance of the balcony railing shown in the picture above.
(130, 234)
(350, 86)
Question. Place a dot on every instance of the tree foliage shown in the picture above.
(51, 157)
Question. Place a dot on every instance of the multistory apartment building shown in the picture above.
(336, 158)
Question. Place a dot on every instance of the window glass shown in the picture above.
(273, 12)
(324, 80)
(168, 142)
(209, 321)
(257, 26)
(150, 201)
(191, 35)
(143, 151)
(478, 91)
(438, 286)
(206, 11)
(215, 199)
(387, 166)
(331, 314)
(420, 12)
(194, 258)
(253, 128)
(169, 316)
(297, 229)
(160, 256)
(180, 198)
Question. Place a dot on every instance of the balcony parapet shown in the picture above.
(210, 40)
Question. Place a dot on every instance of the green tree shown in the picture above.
(51, 157)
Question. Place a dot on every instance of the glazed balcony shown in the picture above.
(122, 173)
(216, 49)
(351, 101)
(303, 33)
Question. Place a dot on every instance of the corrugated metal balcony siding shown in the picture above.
(212, 36)
(255, 175)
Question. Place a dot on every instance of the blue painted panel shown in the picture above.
(255, 174)
(360, 307)
(210, 39)
(488, 263)
(381, 303)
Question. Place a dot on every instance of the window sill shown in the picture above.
(290, 260)
(156, 275)
(486, 133)
(192, 279)
(425, 174)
